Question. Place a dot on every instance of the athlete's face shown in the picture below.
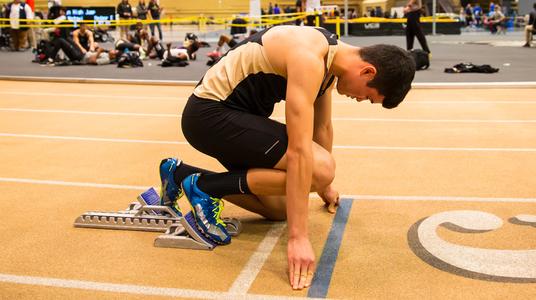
(353, 84)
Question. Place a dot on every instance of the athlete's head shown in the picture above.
(383, 75)
(83, 27)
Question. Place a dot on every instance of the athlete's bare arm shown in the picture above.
(76, 40)
(91, 41)
(301, 57)
(323, 135)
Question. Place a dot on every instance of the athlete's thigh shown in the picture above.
(239, 140)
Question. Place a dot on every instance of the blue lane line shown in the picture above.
(324, 269)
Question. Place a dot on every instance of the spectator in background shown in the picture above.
(155, 10)
(468, 15)
(314, 10)
(124, 10)
(141, 9)
(53, 9)
(19, 32)
(52, 3)
(413, 27)
(270, 9)
(287, 10)
(299, 7)
(491, 8)
(277, 10)
(530, 28)
(52, 33)
(477, 13)
(497, 21)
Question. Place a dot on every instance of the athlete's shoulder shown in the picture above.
(291, 40)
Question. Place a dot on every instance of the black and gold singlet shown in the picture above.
(245, 80)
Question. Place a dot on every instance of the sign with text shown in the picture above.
(101, 14)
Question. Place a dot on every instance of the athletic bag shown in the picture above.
(129, 60)
(421, 58)
(43, 51)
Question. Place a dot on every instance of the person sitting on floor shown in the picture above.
(231, 40)
(83, 39)
(497, 21)
(75, 55)
(183, 53)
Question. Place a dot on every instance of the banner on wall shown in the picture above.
(102, 15)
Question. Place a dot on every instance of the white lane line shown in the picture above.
(177, 98)
(450, 102)
(476, 85)
(312, 195)
(75, 184)
(343, 147)
(248, 274)
(98, 113)
(432, 198)
(95, 96)
(393, 120)
(447, 149)
(162, 115)
(91, 139)
(130, 288)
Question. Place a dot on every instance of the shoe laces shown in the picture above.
(218, 207)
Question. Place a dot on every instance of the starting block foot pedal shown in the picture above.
(190, 238)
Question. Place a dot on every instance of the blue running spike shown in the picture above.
(170, 192)
(206, 211)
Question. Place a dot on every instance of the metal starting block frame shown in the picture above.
(147, 215)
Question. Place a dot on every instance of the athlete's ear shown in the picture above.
(368, 71)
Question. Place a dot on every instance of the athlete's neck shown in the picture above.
(346, 58)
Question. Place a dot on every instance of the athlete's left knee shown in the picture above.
(323, 170)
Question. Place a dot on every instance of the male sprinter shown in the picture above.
(273, 166)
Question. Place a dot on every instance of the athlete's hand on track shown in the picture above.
(301, 262)
(330, 197)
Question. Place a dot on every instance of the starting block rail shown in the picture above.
(146, 215)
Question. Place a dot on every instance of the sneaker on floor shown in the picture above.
(170, 192)
(526, 45)
(214, 54)
(206, 210)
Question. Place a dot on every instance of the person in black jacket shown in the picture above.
(155, 11)
(124, 10)
(413, 28)
(141, 10)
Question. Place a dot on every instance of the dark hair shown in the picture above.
(395, 72)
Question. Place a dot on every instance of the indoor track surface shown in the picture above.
(439, 199)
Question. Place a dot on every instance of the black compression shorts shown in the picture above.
(237, 139)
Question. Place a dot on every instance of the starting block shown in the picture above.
(147, 215)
